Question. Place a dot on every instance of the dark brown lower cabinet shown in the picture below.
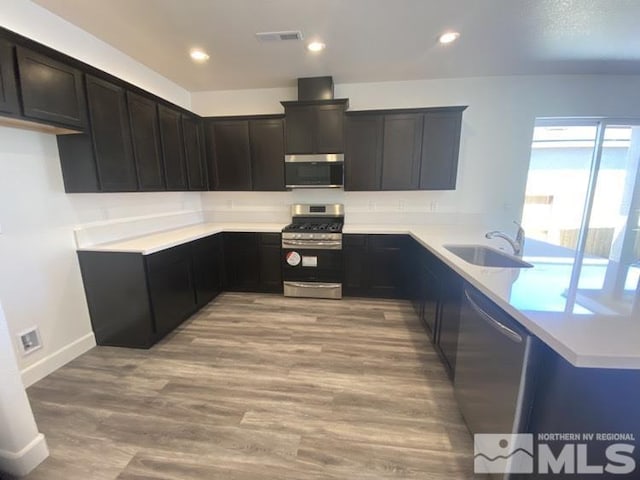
(171, 287)
(354, 247)
(135, 300)
(252, 262)
(206, 254)
(270, 263)
(376, 266)
(241, 261)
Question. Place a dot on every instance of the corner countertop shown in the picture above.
(532, 296)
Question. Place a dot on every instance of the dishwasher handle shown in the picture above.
(499, 326)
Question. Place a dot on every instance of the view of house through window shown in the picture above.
(583, 198)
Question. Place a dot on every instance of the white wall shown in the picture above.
(40, 281)
(495, 146)
(22, 447)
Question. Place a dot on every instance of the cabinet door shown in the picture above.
(242, 262)
(451, 290)
(329, 129)
(207, 268)
(270, 262)
(300, 123)
(231, 153)
(8, 88)
(355, 281)
(363, 152)
(51, 90)
(267, 154)
(171, 287)
(440, 148)
(194, 153)
(430, 299)
(386, 266)
(145, 135)
(172, 142)
(401, 151)
(111, 136)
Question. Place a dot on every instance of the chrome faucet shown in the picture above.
(517, 244)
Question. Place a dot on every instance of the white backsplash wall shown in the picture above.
(360, 207)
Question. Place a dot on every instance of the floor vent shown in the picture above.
(279, 36)
(30, 341)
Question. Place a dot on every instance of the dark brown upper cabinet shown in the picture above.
(267, 154)
(440, 149)
(52, 91)
(9, 103)
(229, 154)
(401, 151)
(363, 152)
(314, 126)
(111, 136)
(194, 152)
(172, 141)
(145, 135)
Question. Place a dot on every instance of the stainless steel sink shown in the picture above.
(486, 256)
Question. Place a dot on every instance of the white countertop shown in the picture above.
(533, 296)
(155, 242)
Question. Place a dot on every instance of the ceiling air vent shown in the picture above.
(279, 36)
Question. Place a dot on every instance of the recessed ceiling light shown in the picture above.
(448, 37)
(316, 46)
(198, 55)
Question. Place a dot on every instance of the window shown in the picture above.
(582, 209)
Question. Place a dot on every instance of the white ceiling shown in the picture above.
(367, 40)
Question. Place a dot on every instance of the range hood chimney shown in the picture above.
(315, 88)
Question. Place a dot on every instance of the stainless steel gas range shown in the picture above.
(312, 251)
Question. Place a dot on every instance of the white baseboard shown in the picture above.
(51, 363)
(22, 462)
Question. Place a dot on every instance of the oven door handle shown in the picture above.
(314, 285)
(307, 243)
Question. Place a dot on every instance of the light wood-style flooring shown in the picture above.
(260, 387)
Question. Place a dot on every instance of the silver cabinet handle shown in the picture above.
(516, 337)
(315, 285)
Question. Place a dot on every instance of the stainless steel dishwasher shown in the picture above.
(494, 365)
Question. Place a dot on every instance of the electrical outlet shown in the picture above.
(30, 340)
(372, 205)
(401, 205)
(433, 206)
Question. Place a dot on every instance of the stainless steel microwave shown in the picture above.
(314, 171)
